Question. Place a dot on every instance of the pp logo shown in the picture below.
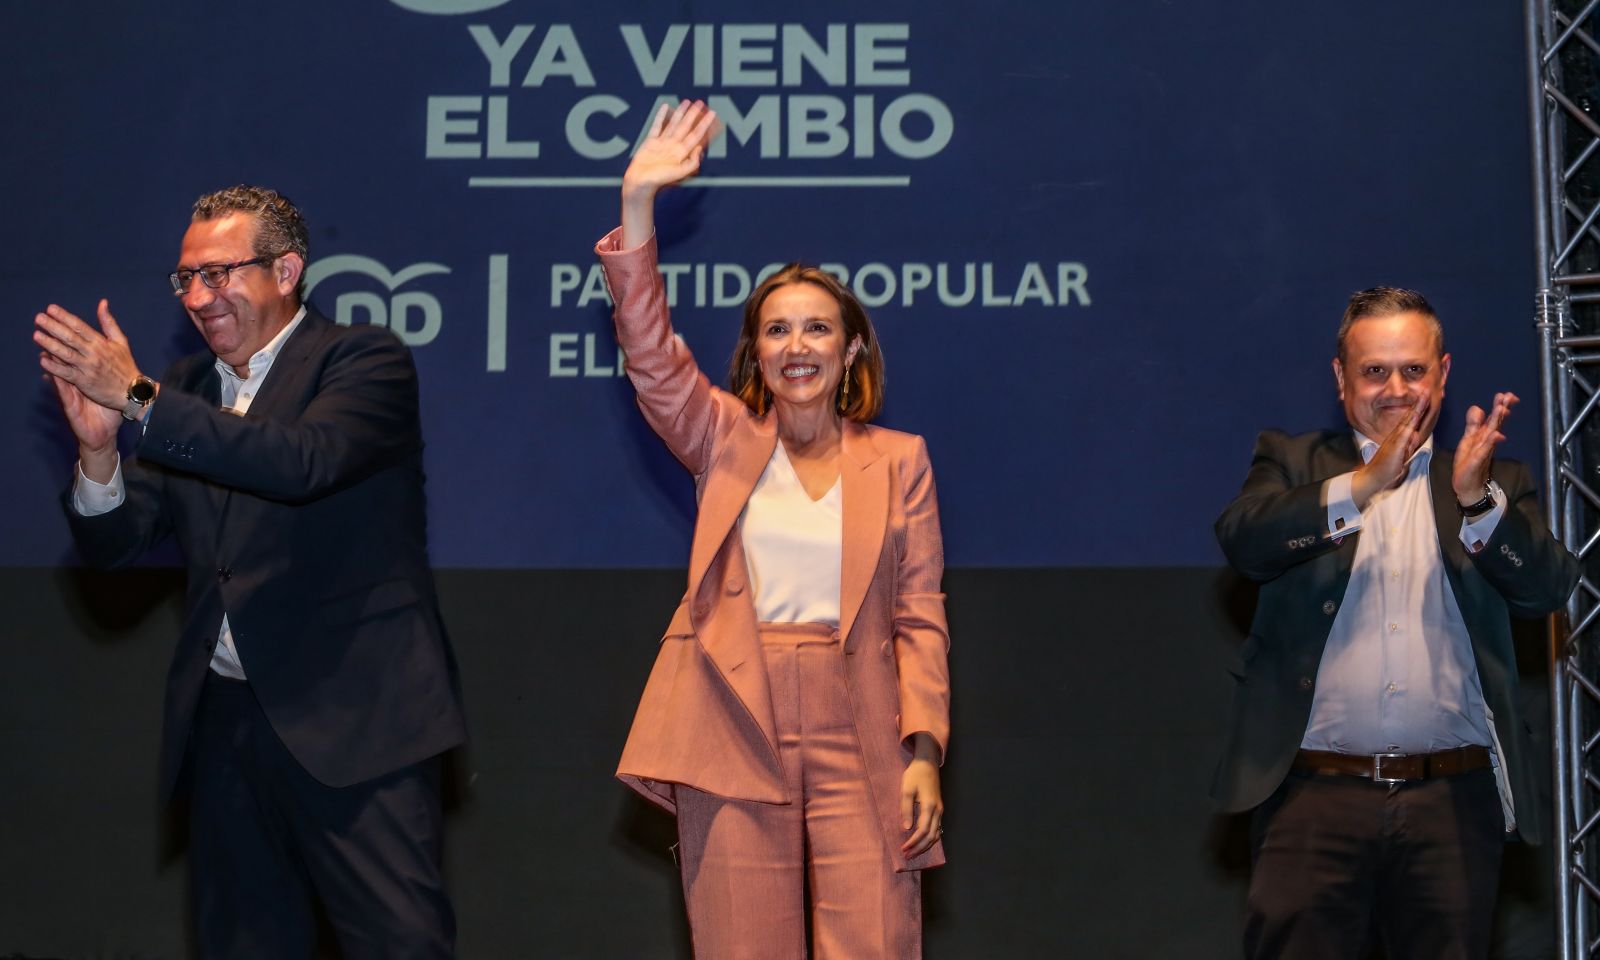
(448, 7)
(414, 315)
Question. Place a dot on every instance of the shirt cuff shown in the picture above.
(1475, 534)
(1343, 516)
(90, 499)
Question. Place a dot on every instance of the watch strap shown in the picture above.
(1478, 507)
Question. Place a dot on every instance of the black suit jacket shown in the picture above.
(1276, 532)
(305, 522)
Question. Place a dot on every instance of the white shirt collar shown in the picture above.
(262, 359)
(1369, 447)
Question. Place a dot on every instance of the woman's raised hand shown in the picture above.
(668, 156)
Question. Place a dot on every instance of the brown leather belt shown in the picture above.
(1394, 767)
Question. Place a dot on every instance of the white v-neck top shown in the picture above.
(793, 546)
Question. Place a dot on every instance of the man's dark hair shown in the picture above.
(1386, 302)
(280, 228)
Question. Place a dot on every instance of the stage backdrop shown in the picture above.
(1104, 244)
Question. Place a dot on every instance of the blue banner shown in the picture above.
(1103, 244)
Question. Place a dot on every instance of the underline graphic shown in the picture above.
(570, 182)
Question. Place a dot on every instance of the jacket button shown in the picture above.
(734, 586)
(1305, 683)
(1328, 606)
(887, 648)
(224, 574)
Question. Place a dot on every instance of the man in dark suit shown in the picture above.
(313, 689)
(1375, 728)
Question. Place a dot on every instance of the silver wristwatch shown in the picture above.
(140, 392)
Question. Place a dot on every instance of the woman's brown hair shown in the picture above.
(864, 376)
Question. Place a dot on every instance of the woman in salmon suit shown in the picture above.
(798, 710)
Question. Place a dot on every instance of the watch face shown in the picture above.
(143, 390)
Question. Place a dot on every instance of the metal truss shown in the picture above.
(1564, 100)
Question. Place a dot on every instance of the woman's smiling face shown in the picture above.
(800, 346)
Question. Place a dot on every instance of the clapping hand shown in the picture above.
(90, 370)
(1388, 465)
(1475, 452)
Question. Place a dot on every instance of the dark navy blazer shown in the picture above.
(1276, 532)
(305, 523)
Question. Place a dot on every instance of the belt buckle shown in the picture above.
(1377, 768)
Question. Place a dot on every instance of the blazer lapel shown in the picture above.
(864, 474)
(289, 366)
(1339, 456)
(731, 645)
(1447, 518)
(206, 383)
(729, 484)
(278, 389)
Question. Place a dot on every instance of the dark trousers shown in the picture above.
(1340, 862)
(267, 842)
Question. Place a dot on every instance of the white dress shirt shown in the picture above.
(91, 499)
(793, 546)
(1398, 673)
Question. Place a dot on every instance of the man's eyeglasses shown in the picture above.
(213, 275)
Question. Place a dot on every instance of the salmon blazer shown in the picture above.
(705, 719)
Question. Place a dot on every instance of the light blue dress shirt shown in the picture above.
(1398, 674)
